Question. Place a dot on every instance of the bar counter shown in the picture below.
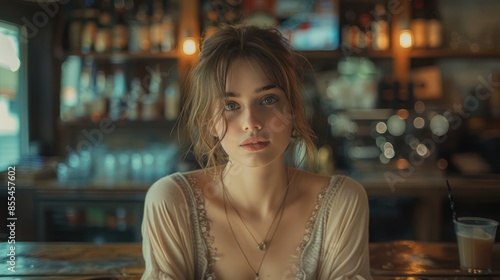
(392, 260)
(428, 190)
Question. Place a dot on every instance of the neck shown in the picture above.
(258, 191)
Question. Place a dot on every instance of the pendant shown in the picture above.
(262, 246)
(257, 276)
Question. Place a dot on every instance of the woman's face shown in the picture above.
(258, 119)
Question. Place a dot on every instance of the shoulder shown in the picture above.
(167, 190)
(178, 183)
(309, 180)
(308, 185)
(349, 187)
(342, 189)
(349, 196)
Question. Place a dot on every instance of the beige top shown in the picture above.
(177, 243)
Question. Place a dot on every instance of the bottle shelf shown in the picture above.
(449, 53)
(119, 123)
(414, 53)
(346, 53)
(123, 56)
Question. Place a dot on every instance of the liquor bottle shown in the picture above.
(365, 21)
(380, 29)
(139, 30)
(143, 21)
(171, 100)
(352, 30)
(365, 34)
(117, 102)
(167, 30)
(89, 29)
(345, 34)
(150, 104)
(134, 32)
(75, 28)
(136, 95)
(99, 105)
(434, 27)
(86, 90)
(104, 26)
(418, 24)
(70, 70)
(120, 36)
(156, 26)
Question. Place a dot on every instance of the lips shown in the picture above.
(254, 143)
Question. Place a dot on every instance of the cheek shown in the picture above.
(280, 122)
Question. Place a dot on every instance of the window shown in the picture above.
(13, 95)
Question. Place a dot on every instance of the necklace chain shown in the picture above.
(259, 245)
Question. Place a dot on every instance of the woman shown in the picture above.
(248, 214)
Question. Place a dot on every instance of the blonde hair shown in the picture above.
(204, 101)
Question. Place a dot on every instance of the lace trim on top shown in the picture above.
(308, 264)
(201, 229)
(204, 224)
(296, 263)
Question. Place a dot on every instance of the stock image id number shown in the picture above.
(11, 191)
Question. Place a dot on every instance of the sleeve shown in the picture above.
(345, 254)
(166, 246)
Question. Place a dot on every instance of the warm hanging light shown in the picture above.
(405, 39)
(189, 46)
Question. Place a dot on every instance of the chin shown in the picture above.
(257, 161)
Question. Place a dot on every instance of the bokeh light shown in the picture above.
(403, 114)
(381, 127)
(402, 163)
(439, 125)
(396, 125)
(419, 107)
(418, 122)
(442, 164)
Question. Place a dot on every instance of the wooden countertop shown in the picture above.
(73, 259)
(417, 259)
(399, 259)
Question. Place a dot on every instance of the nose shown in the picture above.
(251, 120)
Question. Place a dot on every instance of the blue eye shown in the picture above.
(230, 106)
(268, 100)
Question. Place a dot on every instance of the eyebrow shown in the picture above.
(257, 90)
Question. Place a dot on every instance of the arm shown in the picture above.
(345, 253)
(167, 247)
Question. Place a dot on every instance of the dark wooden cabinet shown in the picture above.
(97, 216)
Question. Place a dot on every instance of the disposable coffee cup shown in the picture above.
(475, 237)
